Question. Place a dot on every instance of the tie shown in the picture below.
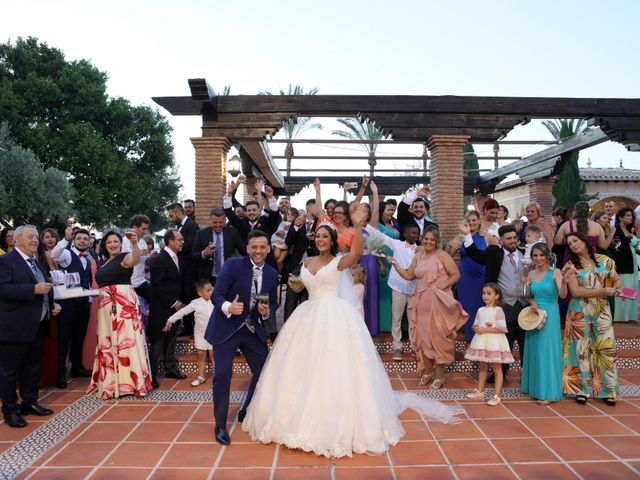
(218, 255)
(257, 279)
(513, 261)
(83, 255)
(40, 278)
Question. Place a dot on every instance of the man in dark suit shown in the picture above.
(188, 228)
(26, 302)
(165, 300)
(504, 266)
(236, 322)
(216, 244)
(255, 218)
(412, 210)
(73, 256)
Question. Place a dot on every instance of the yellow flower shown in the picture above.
(571, 380)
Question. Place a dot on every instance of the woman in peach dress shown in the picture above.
(437, 315)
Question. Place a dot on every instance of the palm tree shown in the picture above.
(226, 90)
(292, 127)
(356, 130)
(569, 188)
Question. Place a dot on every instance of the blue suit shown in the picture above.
(227, 334)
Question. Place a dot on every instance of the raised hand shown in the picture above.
(236, 307)
(231, 188)
(423, 191)
(242, 178)
(464, 228)
(259, 184)
(365, 182)
(268, 191)
(374, 187)
(359, 217)
(316, 184)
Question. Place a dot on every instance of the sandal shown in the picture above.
(438, 384)
(198, 381)
(543, 402)
(610, 401)
(426, 378)
(495, 400)
(476, 395)
(581, 399)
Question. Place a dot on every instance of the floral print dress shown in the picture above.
(588, 353)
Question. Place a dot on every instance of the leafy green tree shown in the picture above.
(291, 128)
(118, 157)
(471, 165)
(569, 187)
(30, 194)
(356, 130)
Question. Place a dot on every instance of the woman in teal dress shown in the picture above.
(382, 219)
(542, 363)
(588, 351)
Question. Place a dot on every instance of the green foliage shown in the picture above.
(471, 164)
(118, 157)
(30, 194)
(569, 187)
(355, 130)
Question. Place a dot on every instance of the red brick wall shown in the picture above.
(211, 174)
(541, 191)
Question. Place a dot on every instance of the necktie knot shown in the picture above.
(83, 254)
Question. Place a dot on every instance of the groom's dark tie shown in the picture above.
(257, 276)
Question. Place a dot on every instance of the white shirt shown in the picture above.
(409, 199)
(227, 304)
(137, 278)
(227, 202)
(62, 256)
(403, 253)
(201, 309)
(173, 255)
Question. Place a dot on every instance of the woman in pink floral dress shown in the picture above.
(121, 366)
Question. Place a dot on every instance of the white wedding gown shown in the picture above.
(323, 388)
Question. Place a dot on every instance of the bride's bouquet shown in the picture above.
(375, 246)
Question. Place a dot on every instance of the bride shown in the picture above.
(323, 388)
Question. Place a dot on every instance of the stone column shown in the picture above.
(447, 182)
(541, 191)
(211, 174)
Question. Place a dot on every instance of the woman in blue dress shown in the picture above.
(542, 363)
(469, 287)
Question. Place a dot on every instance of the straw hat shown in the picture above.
(528, 319)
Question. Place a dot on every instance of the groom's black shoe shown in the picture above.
(222, 436)
(241, 414)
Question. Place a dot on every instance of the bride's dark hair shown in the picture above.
(334, 238)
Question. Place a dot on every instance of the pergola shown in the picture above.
(443, 124)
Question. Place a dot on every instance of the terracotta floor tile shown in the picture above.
(548, 471)
(416, 453)
(137, 455)
(238, 435)
(397, 384)
(58, 398)
(469, 451)
(121, 474)
(8, 434)
(482, 472)
(464, 429)
(125, 413)
(106, 432)
(48, 455)
(61, 473)
(197, 455)
(181, 473)
(600, 470)
(503, 428)
(630, 421)
(155, 432)
(529, 409)
(575, 449)
(25, 473)
(621, 408)
(197, 432)
(320, 473)
(416, 430)
(623, 446)
(600, 425)
(524, 450)
(82, 455)
(248, 455)
(243, 474)
(569, 408)
(99, 413)
(552, 427)
(410, 415)
(422, 473)
(171, 414)
(203, 414)
(363, 461)
(362, 473)
(481, 410)
(298, 458)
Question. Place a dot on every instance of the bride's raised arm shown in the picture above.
(359, 218)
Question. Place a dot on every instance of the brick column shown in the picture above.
(447, 182)
(541, 191)
(211, 174)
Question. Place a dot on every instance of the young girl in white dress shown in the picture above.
(490, 344)
(280, 248)
(201, 307)
(358, 276)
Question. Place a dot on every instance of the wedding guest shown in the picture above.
(358, 276)
(542, 363)
(488, 224)
(278, 245)
(189, 209)
(625, 242)
(72, 254)
(589, 359)
(560, 216)
(140, 225)
(413, 209)
(437, 315)
(339, 220)
(26, 302)
(611, 207)
(534, 217)
(240, 211)
(120, 367)
(329, 205)
(284, 204)
(370, 264)
(6, 240)
(503, 216)
(581, 223)
(50, 238)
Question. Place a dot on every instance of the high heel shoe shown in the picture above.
(426, 378)
(438, 384)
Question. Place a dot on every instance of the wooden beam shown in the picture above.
(259, 153)
(588, 139)
(417, 134)
(392, 120)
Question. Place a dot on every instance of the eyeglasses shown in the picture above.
(338, 212)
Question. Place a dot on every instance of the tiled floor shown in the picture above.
(167, 438)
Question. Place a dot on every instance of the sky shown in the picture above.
(548, 48)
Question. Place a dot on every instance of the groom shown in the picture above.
(236, 322)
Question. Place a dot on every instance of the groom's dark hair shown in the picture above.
(256, 234)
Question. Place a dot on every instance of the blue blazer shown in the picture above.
(235, 279)
(20, 307)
